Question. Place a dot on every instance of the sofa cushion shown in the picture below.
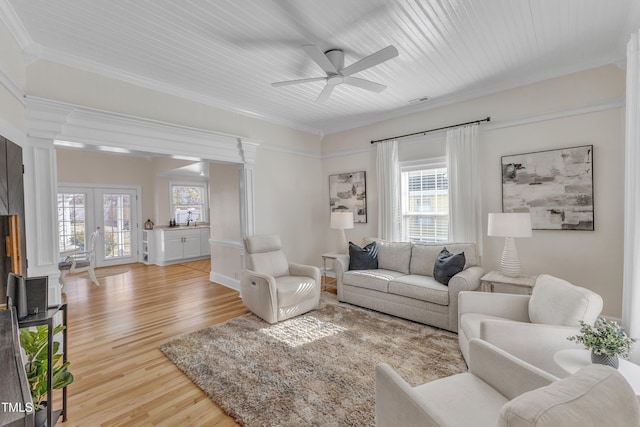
(596, 395)
(423, 256)
(447, 265)
(424, 288)
(394, 256)
(557, 302)
(377, 280)
(363, 258)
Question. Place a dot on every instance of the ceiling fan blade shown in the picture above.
(319, 58)
(325, 94)
(295, 82)
(364, 84)
(376, 58)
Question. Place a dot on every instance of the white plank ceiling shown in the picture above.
(226, 53)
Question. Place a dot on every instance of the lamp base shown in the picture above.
(343, 245)
(509, 263)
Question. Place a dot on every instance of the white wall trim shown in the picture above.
(493, 125)
(10, 85)
(14, 24)
(609, 105)
(275, 148)
(225, 281)
(489, 89)
(226, 244)
(92, 127)
(156, 85)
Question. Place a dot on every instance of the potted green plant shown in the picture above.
(34, 342)
(607, 341)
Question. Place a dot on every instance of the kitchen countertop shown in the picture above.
(180, 227)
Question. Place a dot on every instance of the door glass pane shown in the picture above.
(117, 225)
(71, 221)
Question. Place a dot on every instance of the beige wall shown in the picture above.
(288, 168)
(292, 189)
(591, 259)
(12, 117)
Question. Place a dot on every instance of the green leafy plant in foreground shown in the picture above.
(35, 344)
(605, 337)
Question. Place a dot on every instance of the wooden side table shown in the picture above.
(327, 256)
(494, 281)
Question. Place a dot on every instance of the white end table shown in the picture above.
(572, 360)
(329, 256)
(494, 281)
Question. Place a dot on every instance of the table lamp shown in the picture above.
(509, 226)
(341, 221)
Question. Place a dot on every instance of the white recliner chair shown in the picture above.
(504, 391)
(271, 287)
(531, 327)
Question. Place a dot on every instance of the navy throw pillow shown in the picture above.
(448, 265)
(363, 258)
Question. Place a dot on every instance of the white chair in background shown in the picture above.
(271, 287)
(80, 262)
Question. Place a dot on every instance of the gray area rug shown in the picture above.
(313, 370)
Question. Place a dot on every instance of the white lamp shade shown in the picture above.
(341, 220)
(509, 225)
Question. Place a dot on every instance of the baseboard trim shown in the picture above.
(227, 281)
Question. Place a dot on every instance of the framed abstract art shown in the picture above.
(348, 192)
(555, 186)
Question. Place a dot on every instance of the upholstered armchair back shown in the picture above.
(557, 302)
(264, 255)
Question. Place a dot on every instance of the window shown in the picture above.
(425, 201)
(189, 202)
(71, 221)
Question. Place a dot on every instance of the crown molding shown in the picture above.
(10, 85)
(108, 71)
(10, 18)
(54, 120)
(494, 125)
(490, 89)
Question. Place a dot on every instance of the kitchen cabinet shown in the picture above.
(173, 245)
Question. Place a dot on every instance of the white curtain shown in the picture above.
(465, 208)
(388, 169)
(631, 279)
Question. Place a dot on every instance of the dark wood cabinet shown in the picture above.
(15, 179)
(13, 242)
(4, 185)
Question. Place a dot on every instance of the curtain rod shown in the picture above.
(488, 119)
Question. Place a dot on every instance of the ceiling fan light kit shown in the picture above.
(332, 63)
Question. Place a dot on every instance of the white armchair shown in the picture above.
(532, 328)
(501, 390)
(79, 262)
(271, 287)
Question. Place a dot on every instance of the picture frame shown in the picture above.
(348, 193)
(555, 186)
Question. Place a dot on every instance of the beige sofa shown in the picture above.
(502, 390)
(403, 285)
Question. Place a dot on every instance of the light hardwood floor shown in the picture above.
(121, 377)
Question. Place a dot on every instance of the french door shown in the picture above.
(113, 212)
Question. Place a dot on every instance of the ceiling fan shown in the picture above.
(332, 63)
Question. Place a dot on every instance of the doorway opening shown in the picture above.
(112, 211)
